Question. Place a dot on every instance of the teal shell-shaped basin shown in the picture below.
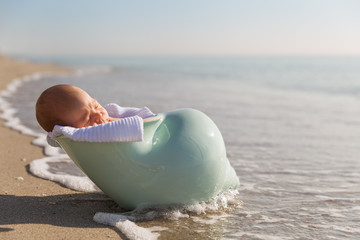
(181, 160)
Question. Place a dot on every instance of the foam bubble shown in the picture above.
(8, 113)
(40, 168)
(48, 150)
(227, 200)
(126, 222)
(211, 219)
(127, 227)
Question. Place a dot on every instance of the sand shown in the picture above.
(33, 208)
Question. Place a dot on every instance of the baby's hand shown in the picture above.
(111, 119)
(151, 119)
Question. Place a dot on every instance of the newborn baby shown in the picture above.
(67, 105)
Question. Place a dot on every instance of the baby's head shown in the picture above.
(67, 105)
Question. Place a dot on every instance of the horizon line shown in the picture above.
(184, 55)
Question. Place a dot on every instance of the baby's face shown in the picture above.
(84, 112)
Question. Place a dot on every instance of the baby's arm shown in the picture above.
(151, 119)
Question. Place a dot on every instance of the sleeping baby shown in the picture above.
(68, 105)
(180, 155)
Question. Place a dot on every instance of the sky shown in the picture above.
(182, 27)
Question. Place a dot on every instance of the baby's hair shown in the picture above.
(48, 104)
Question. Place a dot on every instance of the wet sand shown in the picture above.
(33, 208)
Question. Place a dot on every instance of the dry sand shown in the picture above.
(34, 208)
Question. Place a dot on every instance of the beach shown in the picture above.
(290, 126)
(33, 208)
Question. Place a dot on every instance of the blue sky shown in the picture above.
(183, 27)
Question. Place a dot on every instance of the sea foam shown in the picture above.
(125, 222)
(40, 168)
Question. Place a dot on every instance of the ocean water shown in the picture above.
(291, 127)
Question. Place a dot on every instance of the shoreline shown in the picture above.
(34, 208)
